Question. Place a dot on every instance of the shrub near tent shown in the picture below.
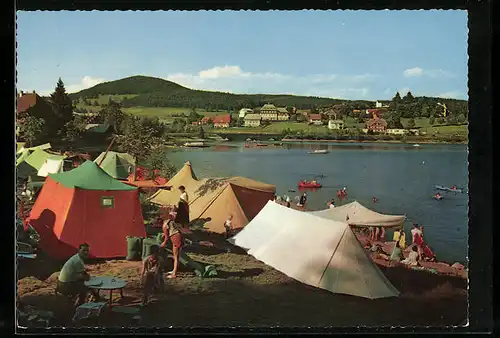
(86, 205)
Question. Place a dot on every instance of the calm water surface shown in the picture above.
(402, 177)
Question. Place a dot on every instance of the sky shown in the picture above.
(354, 55)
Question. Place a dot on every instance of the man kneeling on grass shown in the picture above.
(71, 280)
(151, 273)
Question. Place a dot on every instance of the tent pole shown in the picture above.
(107, 150)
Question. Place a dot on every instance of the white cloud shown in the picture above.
(433, 73)
(451, 95)
(235, 80)
(412, 72)
(85, 82)
(218, 72)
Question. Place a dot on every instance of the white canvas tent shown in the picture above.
(51, 166)
(313, 250)
(356, 214)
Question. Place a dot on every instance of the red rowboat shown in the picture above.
(303, 184)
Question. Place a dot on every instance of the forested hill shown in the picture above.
(154, 92)
(145, 91)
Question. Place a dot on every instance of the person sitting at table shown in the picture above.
(71, 280)
(151, 273)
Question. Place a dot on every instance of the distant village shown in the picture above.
(269, 113)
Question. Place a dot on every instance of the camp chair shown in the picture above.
(25, 250)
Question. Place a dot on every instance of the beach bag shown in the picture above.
(134, 248)
(146, 246)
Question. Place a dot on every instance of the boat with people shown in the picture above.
(319, 151)
(195, 145)
(309, 184)
(452, 189)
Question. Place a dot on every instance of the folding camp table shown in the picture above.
(107, 283)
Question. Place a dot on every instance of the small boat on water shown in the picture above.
(452, 189)
(438, 197)
(309, 184)
(416, 145)
(319, 151)
(195, 145)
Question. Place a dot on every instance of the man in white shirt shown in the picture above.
(73, 275)
(332, 204)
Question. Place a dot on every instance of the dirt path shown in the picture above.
(247, 292)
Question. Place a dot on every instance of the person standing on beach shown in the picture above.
(183, 207)
(228, 225)
(288, 201)
(171, 231)
(302, 200)
(382, 233)
(372, 233)
(415, 231)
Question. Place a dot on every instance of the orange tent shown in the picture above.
(213, 199)
(86, 205)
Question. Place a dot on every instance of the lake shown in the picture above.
(401, 176)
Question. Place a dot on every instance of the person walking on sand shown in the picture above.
(228, 225)
(288, 201)
(171, 231)
(151, 274)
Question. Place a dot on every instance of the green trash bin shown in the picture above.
(134, 248)
(146, 246)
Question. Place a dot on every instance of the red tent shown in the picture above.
(86, 205)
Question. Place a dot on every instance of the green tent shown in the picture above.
(22, 155)
(19, 145)
(116, 164)
(90, 177)
(28, 163)
(39, 156)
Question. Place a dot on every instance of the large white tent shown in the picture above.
(356, 214)
(313, 250)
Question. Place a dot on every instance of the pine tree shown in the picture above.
(62, 106)
(397, 97)
(408, 97)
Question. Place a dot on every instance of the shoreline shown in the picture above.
(373, 141)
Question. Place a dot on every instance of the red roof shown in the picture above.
(222, 119)
(372, 122)
(205, 119)
(27, 101)
(315, 117)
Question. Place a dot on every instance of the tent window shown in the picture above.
(107, 202)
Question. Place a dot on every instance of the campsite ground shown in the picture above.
(248, 293)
